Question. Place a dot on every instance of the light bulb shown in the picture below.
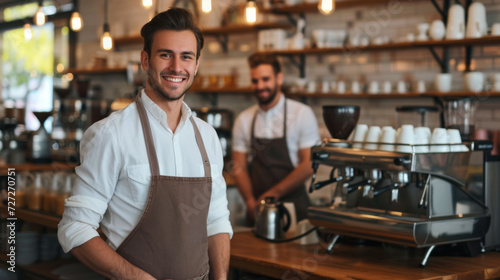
(76, 22)
(106, 40)
(326, 7)
(39, 16)
(206, 6)
(147, 3)
(251, 11)
(27, 32)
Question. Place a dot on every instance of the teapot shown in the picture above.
(272, 219)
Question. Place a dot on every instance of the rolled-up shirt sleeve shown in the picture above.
(93, 187)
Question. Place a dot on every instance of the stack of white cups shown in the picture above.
(388, 138)
(405, 137)
(408, 139)
(439, 140)
(372, 138)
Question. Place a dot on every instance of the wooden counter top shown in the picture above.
(293, 261)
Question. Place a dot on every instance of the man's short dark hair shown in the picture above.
(257, 59)
(177, 19)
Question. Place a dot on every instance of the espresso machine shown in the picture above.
(422, 200)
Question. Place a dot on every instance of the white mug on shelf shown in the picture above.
(372, 137)
(474, 81)
(442, 82)
(359, 135)
(495, 29)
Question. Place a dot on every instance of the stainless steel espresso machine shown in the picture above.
(414, 199)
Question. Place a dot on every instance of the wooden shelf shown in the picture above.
(313, 7)
(36, 217)
(228, 29)
(93, 71)
(54, 166)
(488, 40)
(243, 28)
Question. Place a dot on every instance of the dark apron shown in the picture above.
(271, 163)
(170, 241)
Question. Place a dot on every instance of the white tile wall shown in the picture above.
(394, 20)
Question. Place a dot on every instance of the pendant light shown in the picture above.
(326, 7)
(206, 6)
(147, 3)
(251, 12)
(40, 17)
(76, 22)
(106, 40)
(27, 32)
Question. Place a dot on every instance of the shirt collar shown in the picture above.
(160, 116)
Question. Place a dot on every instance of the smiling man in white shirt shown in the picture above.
(151, 174)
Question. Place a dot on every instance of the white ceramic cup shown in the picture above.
(439, 137)
(406, 137)
(495, 29)
(421, 86)
(373, 88)
(442, 82)
(455, 138)
(387, 87)
(401, 87)
(341, 87)
(387, 139)
(474, 81)
(422, 137)
(359, 135)
(311, 86)
(355, 87)
(325, 86)
(372, 136)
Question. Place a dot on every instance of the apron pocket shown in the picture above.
(139, 181)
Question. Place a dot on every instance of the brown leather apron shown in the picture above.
(170, 241)
(271, 164)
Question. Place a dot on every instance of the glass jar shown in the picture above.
(64, 192)
(24, 181)
(50, 194)
(36, 191)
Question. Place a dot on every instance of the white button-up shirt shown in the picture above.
(113, 179)
(301, 124)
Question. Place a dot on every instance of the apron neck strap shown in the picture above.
(201, 146)
(148, 138)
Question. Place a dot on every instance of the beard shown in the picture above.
(162, 92)
(270, 98)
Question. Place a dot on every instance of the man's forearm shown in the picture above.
(219, 253)
(98, 256)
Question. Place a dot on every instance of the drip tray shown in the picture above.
(398, 228)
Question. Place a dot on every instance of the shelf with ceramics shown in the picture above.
(312, 6)
(483, 41)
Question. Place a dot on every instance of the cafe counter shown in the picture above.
(351, 260)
